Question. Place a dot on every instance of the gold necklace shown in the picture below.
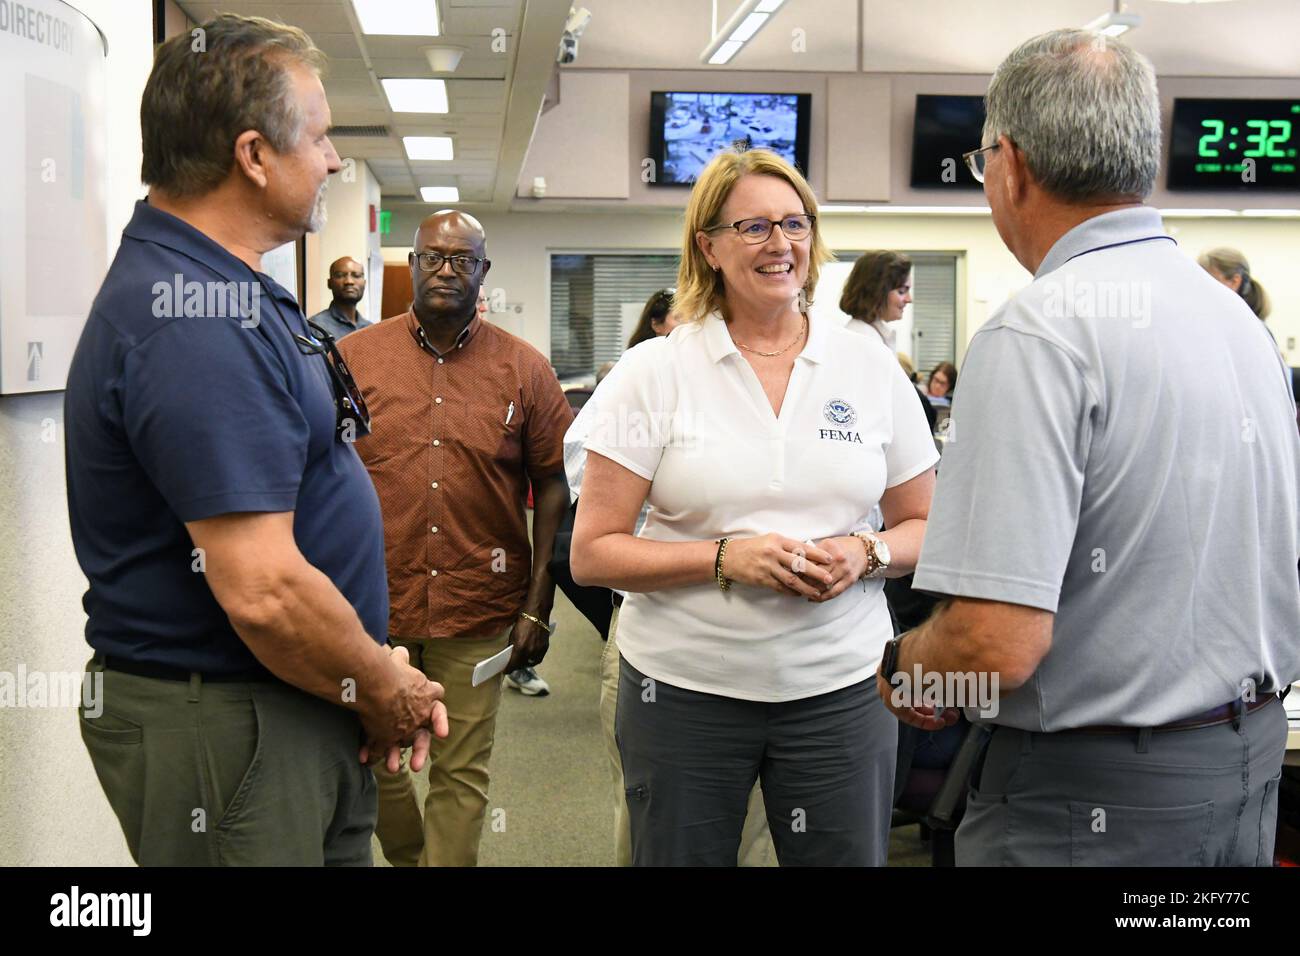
(802, 329)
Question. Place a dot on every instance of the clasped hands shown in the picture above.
(819, 572)
(405, 718)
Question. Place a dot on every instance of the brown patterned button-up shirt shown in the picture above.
(455, 439)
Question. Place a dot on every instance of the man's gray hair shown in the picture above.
(1084, 110)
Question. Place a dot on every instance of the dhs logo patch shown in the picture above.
(840, 412)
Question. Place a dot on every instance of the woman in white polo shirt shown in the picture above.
(755, 619)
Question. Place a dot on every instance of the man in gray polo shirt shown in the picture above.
(1116, 515)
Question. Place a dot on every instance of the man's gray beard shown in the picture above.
(319, 212)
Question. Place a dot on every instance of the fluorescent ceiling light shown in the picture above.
(725, 52)
(427, 147)
(1113, 24)
(847, 209)
(440, 194)
(748, 27)
(748, 19)
(416, 96)
(398, 17)
(931, 210)
(1198, 213)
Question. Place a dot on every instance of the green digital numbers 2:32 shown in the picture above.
(1266, 144)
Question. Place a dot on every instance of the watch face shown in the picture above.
(889, 664)
(882, 551)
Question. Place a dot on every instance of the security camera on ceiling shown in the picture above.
(574, 27)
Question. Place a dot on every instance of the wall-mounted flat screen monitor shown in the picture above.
(1233, 144)
(946, 127)
(689, 129)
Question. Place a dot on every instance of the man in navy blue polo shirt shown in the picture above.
(231, 537)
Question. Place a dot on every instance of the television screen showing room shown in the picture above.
(696, 126)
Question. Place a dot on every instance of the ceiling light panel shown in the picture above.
(416, 95)
(408, 18)
(428, 147)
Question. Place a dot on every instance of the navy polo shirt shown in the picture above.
(188, 398)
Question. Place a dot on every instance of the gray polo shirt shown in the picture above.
(1123, 452)
(333, 321)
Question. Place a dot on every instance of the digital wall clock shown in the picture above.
(1235, 144)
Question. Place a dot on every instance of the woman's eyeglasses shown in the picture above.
(353, 417)
(758, 230)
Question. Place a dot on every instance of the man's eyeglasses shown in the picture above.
(432, 262)
(977, 159)
(758, 230)
(353, 417)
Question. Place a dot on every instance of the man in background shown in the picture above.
(464, 416)
(347, 283)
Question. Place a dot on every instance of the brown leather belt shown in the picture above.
(1215, 715)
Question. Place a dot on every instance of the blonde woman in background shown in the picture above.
(1231, 268)
(755, 618)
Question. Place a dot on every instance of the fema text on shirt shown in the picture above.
(214, 299)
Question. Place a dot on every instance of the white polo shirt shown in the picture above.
(688, 413)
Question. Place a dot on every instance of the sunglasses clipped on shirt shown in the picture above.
(349, 404)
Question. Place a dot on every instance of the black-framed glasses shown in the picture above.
(463, 265)
(349, 403)
(759, 229)
(977, 159)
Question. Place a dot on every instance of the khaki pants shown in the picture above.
(448, 832)
(755, 841)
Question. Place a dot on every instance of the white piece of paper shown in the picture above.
(492, 666)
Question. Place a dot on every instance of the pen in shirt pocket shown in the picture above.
(510, 413)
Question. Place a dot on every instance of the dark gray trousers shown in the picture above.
(1205, 797)
(690, 760)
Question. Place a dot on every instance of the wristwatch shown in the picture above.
(877, 554)
(889, 663)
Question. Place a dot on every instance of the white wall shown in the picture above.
(52, 810)
(520, 244)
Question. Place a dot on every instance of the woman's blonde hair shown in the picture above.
(700, 290)
(1228, 263)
